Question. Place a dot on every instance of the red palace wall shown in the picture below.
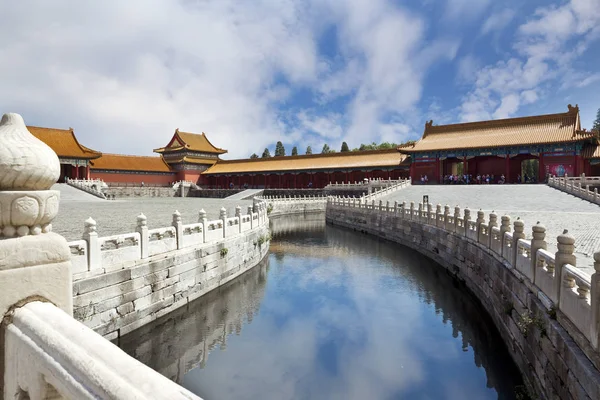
(122, 177)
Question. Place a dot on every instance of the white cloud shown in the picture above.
(497, 21)
(468, 66)
(547, 47)
(327, 126)
(465, 9)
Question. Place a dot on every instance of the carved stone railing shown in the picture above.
(53, 356)
(578, 186)
(91, 186)
(94, 253)
(393, 187)
(566, 288)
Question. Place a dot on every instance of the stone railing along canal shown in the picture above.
(116, 283)
(546, 309)
(578, 186)
(123, 282)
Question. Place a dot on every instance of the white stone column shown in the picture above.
(493, 222)
(142, 229)
(504, 227)
(478, 223)
(537, 242)
(93, 245)
(438, 215)
(35, 263)
(518, 233)
(178, 228)
(202, 219)
(238, 214)
(466, 220)
(223, 217)
(564, 255)
(250, 214)
(457, 218)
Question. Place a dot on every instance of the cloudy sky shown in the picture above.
(125, 74)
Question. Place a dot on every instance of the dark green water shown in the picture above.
(332, 314)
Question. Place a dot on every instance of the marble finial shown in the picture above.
(26, 163)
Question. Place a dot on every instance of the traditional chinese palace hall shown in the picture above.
(496, 147)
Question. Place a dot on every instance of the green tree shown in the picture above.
(294, 151)
(596, 127)
(279, 149)
(308, 150)
(326, 149)
(254, 155)
(266, 153)
(344, 147)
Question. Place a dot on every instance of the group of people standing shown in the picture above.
(469, 179)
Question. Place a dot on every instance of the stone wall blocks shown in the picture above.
(107, 292)
(101, 281)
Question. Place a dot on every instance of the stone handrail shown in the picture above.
(91, 186)
(556, 276)
(577, 186)
(95, 253)
(397, 185)
(292, 198)
(54, 356)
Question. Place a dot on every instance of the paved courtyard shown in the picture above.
(119, 216)
(554, 209)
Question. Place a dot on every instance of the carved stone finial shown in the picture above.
(142, 220)
(28, 168)
(26, 163)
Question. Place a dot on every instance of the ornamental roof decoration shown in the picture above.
(190, 141)
(63, 142)
(539, 129)
(120, 162)
(342, 160)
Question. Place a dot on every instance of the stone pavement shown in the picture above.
(554, 209)
(119, 216)
(71, 194)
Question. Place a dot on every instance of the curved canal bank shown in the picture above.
(332, 314)
(544, 343)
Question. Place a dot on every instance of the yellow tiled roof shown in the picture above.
(119, 162)
(591, 151)
(191, 141)
(193, 160)
(542, 129)
(63, 142)
(358, 159)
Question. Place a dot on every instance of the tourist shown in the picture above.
(142, 184)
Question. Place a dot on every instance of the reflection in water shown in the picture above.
(342, 315)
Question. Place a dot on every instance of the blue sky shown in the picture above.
(124, 75)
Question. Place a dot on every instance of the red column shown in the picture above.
(576, 171)
(87, 171)
(295, 181)
(412, 171)
(437, 170)
(541, 169)
(465, 166)
(507, 167)
(76, 172)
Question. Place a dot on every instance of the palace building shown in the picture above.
(496, 147)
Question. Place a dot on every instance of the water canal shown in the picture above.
(332, 314)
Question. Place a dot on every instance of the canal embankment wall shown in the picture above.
(123, 282)
(279, 206)
(551, 332)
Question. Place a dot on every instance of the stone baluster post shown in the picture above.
(438, 215)
(457, 218)
(466, 220)
(395, 208)
(238, 214)
(480, 221)
(35, 263)
(564, 255)
(380, 205)
(372, 204)
(387, 206)
(223, 217)
(595, 302)
(595, 195)
(537, 242)
(446, 216)
(491, 225)
(251, 219)
(412, 210)
(429, 213)
(178, 228)
(420, 212)
(202, 219)
(90, 235)
(142, 229)
(518, 233)
(504, 227)
(401, 209)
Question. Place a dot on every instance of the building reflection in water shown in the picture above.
(357, 272)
